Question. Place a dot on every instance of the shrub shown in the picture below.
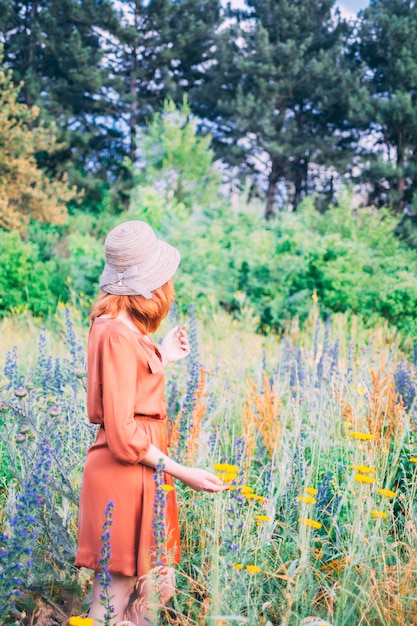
(25, 281)
(350, 259)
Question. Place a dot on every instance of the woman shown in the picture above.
(125, 397)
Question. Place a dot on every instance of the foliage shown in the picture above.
(55, 52)
(305, 532)
(25, 190)
(86, 252)
(26, 282)
(266, 271)
(288, 96)
(98, 69)
(177, 167)
(386, 44)
(349, 259)
(293, 95)
(58, 264)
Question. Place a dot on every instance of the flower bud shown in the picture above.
(20, 392)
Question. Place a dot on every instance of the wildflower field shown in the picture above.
(315, 432)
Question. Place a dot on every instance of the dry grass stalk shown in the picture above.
(248, 431)
(197, 418)
(386, 412)
(394, 592)
(45, 614)
(349, 417)
(263, 408)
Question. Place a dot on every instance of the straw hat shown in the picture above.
(136, 261)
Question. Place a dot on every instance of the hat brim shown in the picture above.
(157, 271)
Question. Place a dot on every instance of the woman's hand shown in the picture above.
(174, 345)
(194, 477)
(201, 480)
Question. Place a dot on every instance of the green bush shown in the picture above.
(232, 258)
(350, 259)
(25, 280)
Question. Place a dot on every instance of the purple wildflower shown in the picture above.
(104, 575)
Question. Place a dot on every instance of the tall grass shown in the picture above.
(306, 429)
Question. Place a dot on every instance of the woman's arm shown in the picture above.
(173, 348)
(196, 478)
(126, 440)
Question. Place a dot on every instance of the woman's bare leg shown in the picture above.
(119, 591)
(138, 610)
(151, 593)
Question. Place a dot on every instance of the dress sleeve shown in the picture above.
(127, 442)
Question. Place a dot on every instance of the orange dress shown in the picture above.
(125, 395)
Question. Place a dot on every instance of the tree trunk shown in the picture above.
(273, 178)
(399, 202)
(31, 53)
(133, 89)
(300, 180)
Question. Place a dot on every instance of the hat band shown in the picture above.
(128, 278)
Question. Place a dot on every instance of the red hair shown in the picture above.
(146, 314)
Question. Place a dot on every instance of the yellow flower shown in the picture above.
(80, 621)
(237, 565)
(227, 477)
(246, 489)
(413, 460)
(361, 390)
(361, 436)
(253, 496)
(364, 469)
(380, 514)
(306, 499)
(312, 491)
(253, 569)
(262, 518)
(167, 487)
(360, 404)
(387, 493)
(226, 467)
(363, 478)
(310, 522)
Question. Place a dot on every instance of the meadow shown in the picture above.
(314, 431)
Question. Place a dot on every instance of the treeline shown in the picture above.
(265, 273)
(294, 96)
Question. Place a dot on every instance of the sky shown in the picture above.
(350, 8)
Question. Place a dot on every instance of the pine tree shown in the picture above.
(157, 50)
(387, 44)
(54, 47)
(25, 191)
(283, 86)
(100, 68)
